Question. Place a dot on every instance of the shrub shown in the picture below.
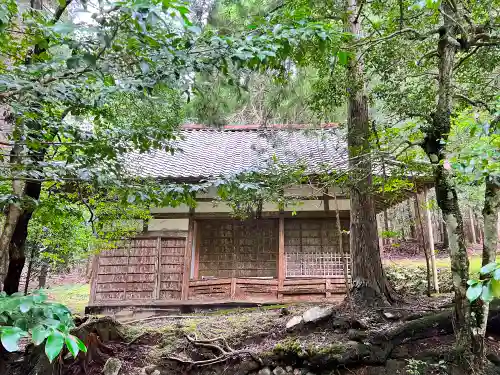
(41, 321)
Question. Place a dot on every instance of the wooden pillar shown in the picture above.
(156, 291)
(196, 268)
(129, 249)
(281, 256)
(328, 288)
(233, 288)
(187, 259)
(430, 241)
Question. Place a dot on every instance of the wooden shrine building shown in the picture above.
(204, 256)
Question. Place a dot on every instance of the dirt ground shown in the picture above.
(410, 339)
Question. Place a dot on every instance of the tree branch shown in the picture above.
(463, 59)
(417, 34)
(427, 55)
(474, 103)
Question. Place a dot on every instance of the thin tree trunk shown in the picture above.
(490, 213)
(446, 195)
(411, 219)
(28, 273)
(430, 243)
(387, 228)
(42, 278)
(473, 236)
(369, 284)
(344, 253)
(446, 243)
(425, 248)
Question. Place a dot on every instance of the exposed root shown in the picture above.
(218, 345)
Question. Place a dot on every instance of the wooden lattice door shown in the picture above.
(312, 248)
(233, 248)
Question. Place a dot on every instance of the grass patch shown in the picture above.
(474, 261)
(74, 296)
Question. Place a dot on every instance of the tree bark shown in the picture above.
(17, 244)
(369, 284)
(491, 211)
(387, 228)
(446, 195)
(473, 236)
(446, 243)
(411, 219)
(42, 278)
(430, 243)
(13, 213)
(422, 240)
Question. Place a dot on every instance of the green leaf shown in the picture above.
(54, 345)
(474, 291)
(90, 59)
(10, 338)
(73, 62)
(63, 27)
(39, 334)
(472, 282)
(342, 57)
(194, 29)
(72, 345)
(495, 287)
(496, 274)
(25, 306)
(487, 293)
(490, 267)
(80, 344)
(144, 67)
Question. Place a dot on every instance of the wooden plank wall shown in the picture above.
(139, 269)
(259, 290)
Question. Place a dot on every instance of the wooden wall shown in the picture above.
(262, 260)
(139, 269)
(312, 247)
(233, 248)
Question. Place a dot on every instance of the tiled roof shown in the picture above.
(207, 152)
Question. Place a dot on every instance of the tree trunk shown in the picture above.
(411, 219)
(491, 210)
(422, 240)
(369, 284)
(13, 214)
(446, 195)
(387, 228)
(430, 243)
(446, 243)
(17, 244)
(42, 278)
(30, 269)
(473, 236)
(14, 241)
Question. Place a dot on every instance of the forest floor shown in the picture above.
(413, 338)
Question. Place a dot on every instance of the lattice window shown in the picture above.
(233, 248)
(312, 248)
